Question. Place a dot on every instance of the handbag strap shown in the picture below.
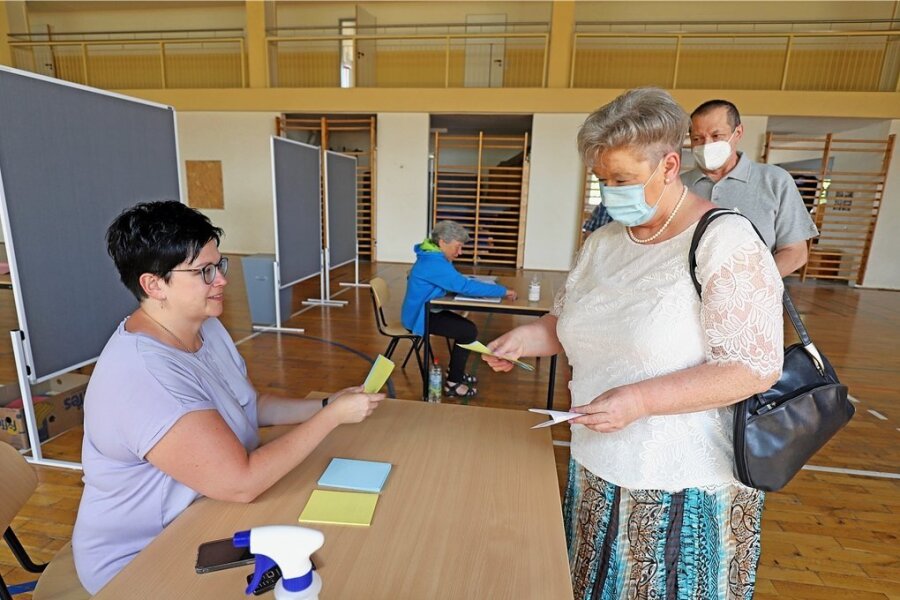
(702, 224)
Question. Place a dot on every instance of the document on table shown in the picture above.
(359, 475)
(480, 348)
(484, 278)
(378, 374)
(477, 299)
(556, 416)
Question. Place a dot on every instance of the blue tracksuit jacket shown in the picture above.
(433, 276)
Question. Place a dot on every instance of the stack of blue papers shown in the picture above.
(361, 475)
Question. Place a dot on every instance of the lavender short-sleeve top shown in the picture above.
(138, 391)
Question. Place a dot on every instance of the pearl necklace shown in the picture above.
(638, 240)
(169, 331)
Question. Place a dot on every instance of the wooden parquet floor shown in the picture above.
(827, 535)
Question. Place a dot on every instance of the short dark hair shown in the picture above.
(734, 117)
(156, 237)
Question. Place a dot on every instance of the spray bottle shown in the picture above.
(289, 547)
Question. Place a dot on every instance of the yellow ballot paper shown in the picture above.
(339, 508)
(378, 375)
(480, 348)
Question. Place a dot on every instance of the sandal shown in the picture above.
(466, 378)
(450, 389)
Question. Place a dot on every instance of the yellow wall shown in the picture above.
(327, 14)
(712, 68)
(119, 17)
(732, 10)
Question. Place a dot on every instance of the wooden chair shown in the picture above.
(58, 580)
(381, 295)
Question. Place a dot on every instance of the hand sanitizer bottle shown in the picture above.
(534, 289)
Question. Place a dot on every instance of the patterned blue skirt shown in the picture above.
(688, 545)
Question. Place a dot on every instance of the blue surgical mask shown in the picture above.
(627, 203)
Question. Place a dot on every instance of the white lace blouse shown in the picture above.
(630, 312)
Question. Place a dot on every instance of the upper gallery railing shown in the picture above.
(798, 55)
(824, 56)
(436, 55)
(136, 60)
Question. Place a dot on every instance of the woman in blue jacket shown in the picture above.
(434, 276)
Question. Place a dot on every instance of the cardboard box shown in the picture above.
(59, 406)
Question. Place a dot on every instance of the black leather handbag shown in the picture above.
(777, 432)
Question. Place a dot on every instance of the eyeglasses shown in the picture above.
(209, 271)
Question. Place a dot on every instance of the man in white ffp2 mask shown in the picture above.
(765, 194)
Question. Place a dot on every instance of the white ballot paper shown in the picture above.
(556, 416)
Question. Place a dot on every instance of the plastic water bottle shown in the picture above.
(435, 382)
(534, 289)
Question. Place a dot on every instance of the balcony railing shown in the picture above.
(447, 60)
(822, 56)
(135, 60)
(866, 61)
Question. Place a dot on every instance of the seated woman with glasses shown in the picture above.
(170, 414)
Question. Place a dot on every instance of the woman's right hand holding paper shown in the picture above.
(511, 345)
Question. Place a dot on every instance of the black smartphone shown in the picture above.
(221, 554)
(269, 579)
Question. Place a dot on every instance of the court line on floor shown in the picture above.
(878, 474)
(877, 414)
(369, 359)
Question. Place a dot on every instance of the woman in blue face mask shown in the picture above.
(653, 508)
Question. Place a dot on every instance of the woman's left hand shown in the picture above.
(612, 410)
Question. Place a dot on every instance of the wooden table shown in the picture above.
(550, 284)
(470, 510)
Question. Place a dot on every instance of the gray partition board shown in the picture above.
(71, 159)
(340, 194)
(298, 206)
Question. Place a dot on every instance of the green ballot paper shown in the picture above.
(378, 375)
(480, 348)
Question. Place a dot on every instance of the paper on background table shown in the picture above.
(477, 299)
(378, 374)
(339, 508)
(556, 416)
(480, 348)
(487, 278)
(360, 475)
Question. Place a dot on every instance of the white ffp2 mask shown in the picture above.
(713, 155)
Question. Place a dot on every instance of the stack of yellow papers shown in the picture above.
(339, 508)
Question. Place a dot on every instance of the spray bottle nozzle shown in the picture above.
(289, 547)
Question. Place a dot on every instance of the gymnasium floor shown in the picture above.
(829, 534)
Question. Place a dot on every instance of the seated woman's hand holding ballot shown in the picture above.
(170, 414)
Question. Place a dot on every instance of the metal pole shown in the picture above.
(34, 438)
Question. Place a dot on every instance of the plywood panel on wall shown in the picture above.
(204, 178)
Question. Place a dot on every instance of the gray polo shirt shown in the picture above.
(765, 194)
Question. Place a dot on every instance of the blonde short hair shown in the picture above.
(645, 119)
